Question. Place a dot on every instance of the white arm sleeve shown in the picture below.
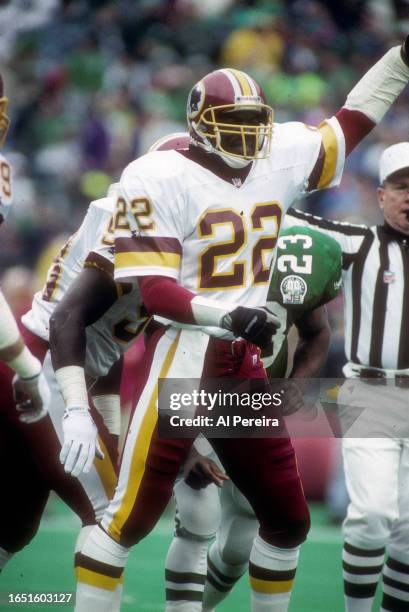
(380, 86)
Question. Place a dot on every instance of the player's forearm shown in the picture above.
(164, 297)
(311, 354)
(372, 96)
(67, 337)
(68, 348)
(13, 351)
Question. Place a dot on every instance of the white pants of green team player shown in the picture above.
(200, 516)
(376, 461)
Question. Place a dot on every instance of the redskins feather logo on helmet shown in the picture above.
(4, 120)
(227, 114)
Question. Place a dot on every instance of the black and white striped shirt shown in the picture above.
(376, 291)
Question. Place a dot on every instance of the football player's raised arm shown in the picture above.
(372, 96)
(350, 237)
(365, 106)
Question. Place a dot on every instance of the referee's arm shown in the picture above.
(352, 238)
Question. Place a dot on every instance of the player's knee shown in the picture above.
(292, 535)
(18, 538)
(198, 513)
(299, 531)
(197, 521)
(236, 553)
(100, 546)
(235, 539)
(372, 524)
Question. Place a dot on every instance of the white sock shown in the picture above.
(99, 591)
(221, 578)
(361, 570)
(93, 599)
(185, 574)
(272, 571)
(353, 604)
(395, 583)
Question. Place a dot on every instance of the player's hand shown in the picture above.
(256, 325)
(201, 471)
(32, 397)
(80, 445)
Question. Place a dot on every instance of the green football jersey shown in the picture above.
(307, 274)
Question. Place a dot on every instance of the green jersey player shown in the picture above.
(307, 274)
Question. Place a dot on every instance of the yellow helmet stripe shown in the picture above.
(243, 80)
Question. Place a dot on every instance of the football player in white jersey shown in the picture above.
(30, 388)
(204, 222)
(90, 321)
(35, 469)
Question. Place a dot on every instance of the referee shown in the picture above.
(376, 313)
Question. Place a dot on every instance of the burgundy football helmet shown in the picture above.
(4, 120)
(177, 140)
(227, 114)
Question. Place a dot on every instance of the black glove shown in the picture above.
(253, 324)
(404, 51)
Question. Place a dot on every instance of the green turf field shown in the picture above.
(47, 566)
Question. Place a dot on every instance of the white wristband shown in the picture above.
(25, 364)
(71, 380)
(109, 407)
(210, 312)
(380, 86)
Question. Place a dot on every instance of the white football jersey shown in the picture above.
(6, 193)
(112, 334)
(217, 238)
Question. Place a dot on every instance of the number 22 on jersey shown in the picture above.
(236, 274)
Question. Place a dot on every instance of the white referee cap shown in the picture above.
(394, 158)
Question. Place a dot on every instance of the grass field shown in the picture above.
(47, 566)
